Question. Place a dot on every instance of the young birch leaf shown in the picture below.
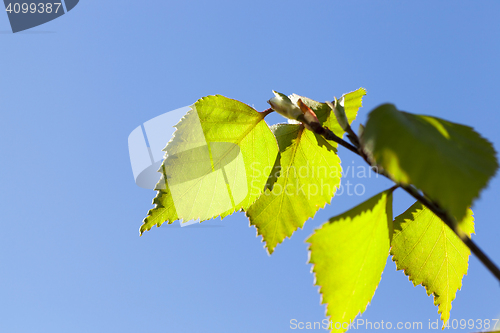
(214, 162)
(449, 162)
(349, 254)
(431, 254)
(351, 102)
(310, 175)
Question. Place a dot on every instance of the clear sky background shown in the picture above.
(73, 89)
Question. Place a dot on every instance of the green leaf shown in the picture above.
(349, 254)
(214, 162)
(350, 101)
(276, 214)
(310, 175)
(449, 162)
(431, 254)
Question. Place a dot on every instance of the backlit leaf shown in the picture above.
(449, 162)
(351, 102)
(214, 162)
(431, 254)
(349, 254)
(310, 175)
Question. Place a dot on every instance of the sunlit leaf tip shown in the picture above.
(431, 254)
(349, 254)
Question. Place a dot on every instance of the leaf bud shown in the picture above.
(284, 106)
(338, 110)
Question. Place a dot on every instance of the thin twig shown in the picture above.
(329, 135)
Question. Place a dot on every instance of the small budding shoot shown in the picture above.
(338, 110)
(308, 118)
(300, 111)
(284, 106)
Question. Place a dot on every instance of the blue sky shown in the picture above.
(73, 89)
